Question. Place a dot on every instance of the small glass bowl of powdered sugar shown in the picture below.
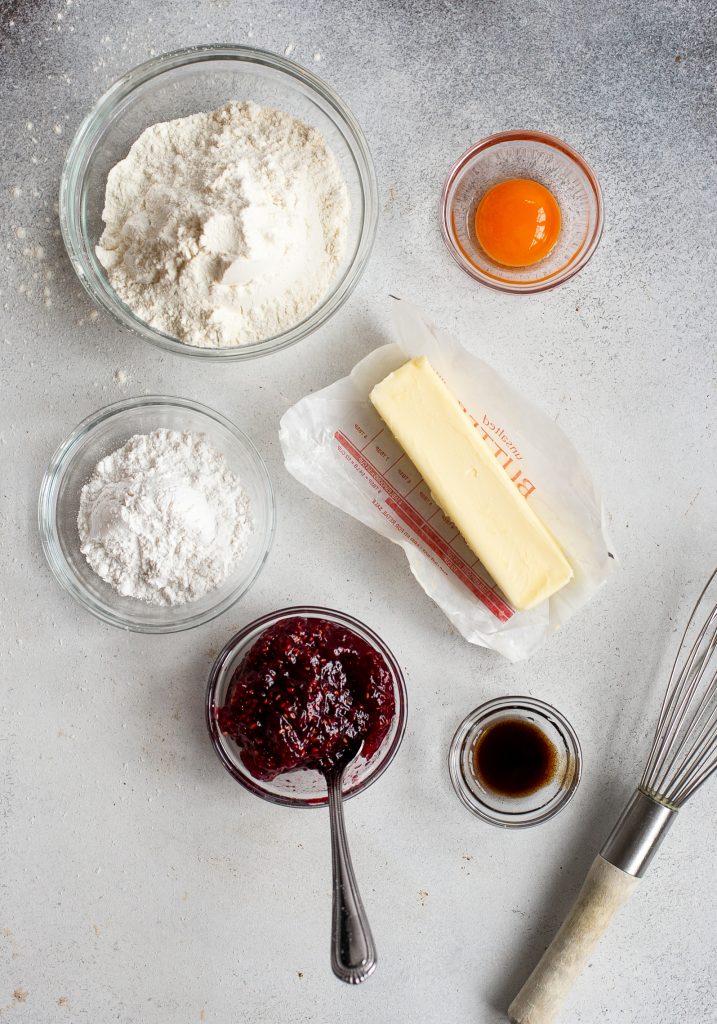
(220, 202)
(156, 514)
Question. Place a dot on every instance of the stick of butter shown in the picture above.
(470, 485)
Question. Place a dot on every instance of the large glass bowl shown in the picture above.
(523, 154)
(303, 788)
(72, 465)
(203, 78)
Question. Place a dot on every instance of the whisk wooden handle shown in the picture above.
(604, 891)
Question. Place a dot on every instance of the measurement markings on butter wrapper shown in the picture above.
(422, 516)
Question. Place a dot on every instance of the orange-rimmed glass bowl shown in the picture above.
(543, 158)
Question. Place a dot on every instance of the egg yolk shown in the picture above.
(517, 222)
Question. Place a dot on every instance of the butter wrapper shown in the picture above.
(335, 443)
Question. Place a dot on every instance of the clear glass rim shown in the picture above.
(466, 729)
(76, 162)
(516, 287)
(255, 786)
(47, 515)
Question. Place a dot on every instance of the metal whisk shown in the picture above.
(683, 757)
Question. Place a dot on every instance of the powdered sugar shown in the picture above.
(164, 519)
(227, 227)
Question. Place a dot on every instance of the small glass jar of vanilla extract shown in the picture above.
(515, 762)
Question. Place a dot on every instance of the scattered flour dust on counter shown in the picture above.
(225, 228)
(164, 519)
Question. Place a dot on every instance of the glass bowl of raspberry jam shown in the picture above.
(303, 787)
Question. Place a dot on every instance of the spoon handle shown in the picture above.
(353, 953)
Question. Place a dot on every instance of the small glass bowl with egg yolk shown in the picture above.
(521, 212)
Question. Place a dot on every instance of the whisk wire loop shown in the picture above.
(684, 750)
(696, 700)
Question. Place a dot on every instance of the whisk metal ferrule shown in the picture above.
(638, 833)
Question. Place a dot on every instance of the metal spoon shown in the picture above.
(353, 952)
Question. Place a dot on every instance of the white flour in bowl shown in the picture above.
(164, 519)
(225, 228)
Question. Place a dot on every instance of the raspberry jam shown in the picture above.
(306, 691)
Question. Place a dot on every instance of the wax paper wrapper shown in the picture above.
(335, 443)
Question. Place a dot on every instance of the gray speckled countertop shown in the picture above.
(139, 884)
